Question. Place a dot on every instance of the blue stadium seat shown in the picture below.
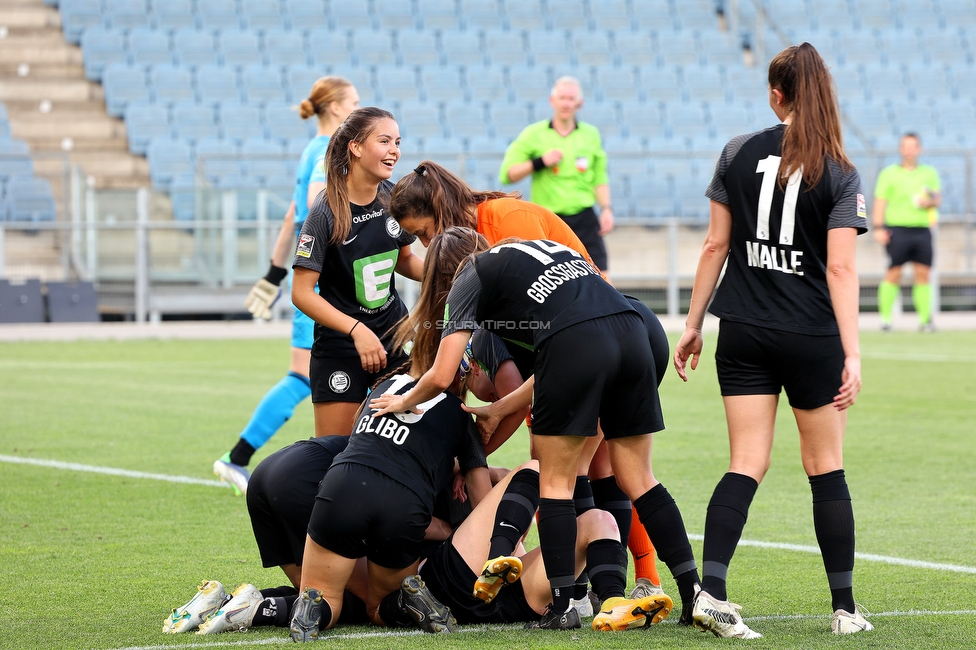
(439, 14)
(730, 120)
(486, 82)
(373, 46)
(173, 14)
(928, 82)
(284, 123)
(479, 13)
(871, 121)
(216, 83)
(262, 83)
(721, 49)
(832, 14)
(238, 46)
(397, 83)
(917, 117)
(686, 119)
(239, 121)
(218, 14)
(592, 48)
(193, 120)
(653, 14)
(623, 204)
(149, 46)
(678, 47)
(294, 147)
(419, 120)
(126, 14)
(182, 194)
(550, 47)
(704, 83)
(507, 118)
(505, 47)
(15, 159)
(79, 15)
(613, 83)
(168, 157)
(143, 122)
(958, 119)
(350, 15)
(261, 14)
(29, 199)
(641, 119)
(217, 158)
(896, 42)
(612, 15)
(193, 47)
(462, 46)
(528, 82)
(635, 48)
(439, 148)
(102, 46)
(660, 83)
(305, 14)
(876, 15)
(602, 115)
(417, 46)
(441, 82)
(652, 196)
(285, 47)
(945, 46)
(123, 84)
(264, 158)
(570, 16)
(747, 84)
(328, 48)
(620, 144)
(299, 79)
(396, 15)
(171, 83)
(465, 119)
(696, 15)
(885, 82)
(525, 14)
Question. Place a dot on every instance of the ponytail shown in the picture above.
(814, 132)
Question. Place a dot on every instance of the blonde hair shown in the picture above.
(567, 81)
(324, 91)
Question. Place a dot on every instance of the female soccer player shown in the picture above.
(786, 210)
(547, 297)
(331, 100)
(350, 247)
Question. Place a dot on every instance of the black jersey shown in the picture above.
(416, 449)
(776, 274)
(527, 291)
(355, 276)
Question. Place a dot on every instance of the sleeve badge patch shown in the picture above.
(862, 210)
(305, 243)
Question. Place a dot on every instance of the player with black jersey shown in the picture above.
(786, 210)
(592, 363)
(376, 502)
(351, 247)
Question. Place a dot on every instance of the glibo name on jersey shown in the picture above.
(384, 427)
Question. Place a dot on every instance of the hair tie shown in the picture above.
(420, 170)
(315, 109)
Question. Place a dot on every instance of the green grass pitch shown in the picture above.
(96, 561)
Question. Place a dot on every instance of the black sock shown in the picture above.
(662, 520)
(353, 610)
(583, 495)
(283, 591)
(272, 611)
(606, 562)
(326, 614)
(833, 519)
(241, 453)
(557, 537)
(514, 513)
(608, 496)
(724, 521)
(392, 611)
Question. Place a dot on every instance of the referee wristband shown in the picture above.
(538, 164)
(353, 327)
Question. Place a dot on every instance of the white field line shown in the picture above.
(484, 628)
(870, 557)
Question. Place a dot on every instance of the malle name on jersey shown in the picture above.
(769, 257)
(384, 427)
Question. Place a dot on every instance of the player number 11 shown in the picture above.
(769, 168)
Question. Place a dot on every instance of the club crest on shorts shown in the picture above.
(305, 243)
(339, 381)
(392, 227)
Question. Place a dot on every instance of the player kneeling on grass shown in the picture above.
(512, 586)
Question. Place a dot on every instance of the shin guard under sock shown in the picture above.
(606, 563)
(727, 512)
(833, 521)
(514, 513)
(662, 520)
(557, 537)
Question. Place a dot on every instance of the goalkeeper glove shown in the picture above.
(265, 293)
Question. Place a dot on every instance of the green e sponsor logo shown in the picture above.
(374, 274)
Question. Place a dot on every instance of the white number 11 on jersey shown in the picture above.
(769, 168)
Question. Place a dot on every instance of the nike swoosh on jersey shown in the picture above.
(349, 241)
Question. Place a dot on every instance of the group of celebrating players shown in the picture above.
(364, 518)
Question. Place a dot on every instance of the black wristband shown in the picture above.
(538, 164)
(276, 274)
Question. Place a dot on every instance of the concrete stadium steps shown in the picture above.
(33, 255)
(77, 106)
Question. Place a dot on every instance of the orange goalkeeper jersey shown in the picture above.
(502, 218)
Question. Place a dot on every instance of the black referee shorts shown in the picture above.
(451, 581)
(910, 245)
(586, 225)
(361, 512)
(280, 496)
(753, 360)
(598, 370)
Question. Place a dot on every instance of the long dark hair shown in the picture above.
(447, 254)
(356, 128)
(814, 132)
(433, 191)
